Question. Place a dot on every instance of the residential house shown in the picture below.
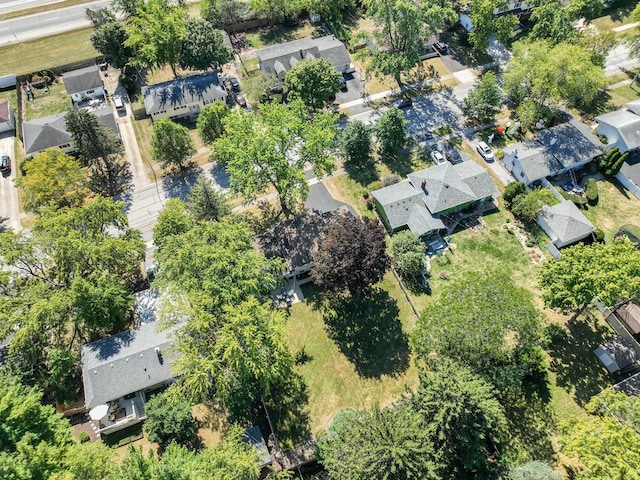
(617, 355)
(564, 224)
(630, 385)
(123, 371)
(279, 59)
(628, 314)
(622, 129)
(84, 84)
(296, 240)
(51, 131)
(7, 120)
(519, 8)
(183, 97)
(420, 202)
(554, 151)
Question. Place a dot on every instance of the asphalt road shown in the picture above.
(44, 24)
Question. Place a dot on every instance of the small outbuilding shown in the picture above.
(7, 119)
(617, 355)
(84, 84)
(564, 224)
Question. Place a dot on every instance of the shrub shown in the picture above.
(377, 185)
(511, 191)
(168, 422)
(578, 200)
(370, 204)
(599, 234)
(22, 164)
(591, 191)
(500, 154)
(408, 253)
(83, 437)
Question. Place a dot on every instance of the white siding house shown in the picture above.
(84, 84)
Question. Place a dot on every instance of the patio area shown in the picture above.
(123, 412)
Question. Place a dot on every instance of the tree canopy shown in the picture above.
(156, 32)
(351, 256)
(486, 23)
(271, 149)
(169, 422)
(408, 253)
(209, 123)
(53, 179)
(391, 131)
(608, 271)
(205, 203)
(109, 36)
(482, 320)
(483, 102)
(171, 144)
(379, 444)
(202, 47)
(355, 142)
(314, 81)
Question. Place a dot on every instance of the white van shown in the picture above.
(119, 104)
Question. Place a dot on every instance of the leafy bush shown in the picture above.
(611, 163)
(591, 191)
(370, 204)
(500, 154)
(408, 253)
(83, 437)
(511, 191)
(599, 234)
(168, 422)
(577, 199)
(22, 164)
(377, 185)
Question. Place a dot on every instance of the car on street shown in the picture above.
(241, 100)
(437, 157)
(402, 103)
(5, 164)
(485, 152)
(235, 84)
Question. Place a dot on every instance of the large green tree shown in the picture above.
(70, 282)
(355, 142)
(109, 36)
(351, 256)
(171, 144)
(209, 123)
(408, 253)
(99, 148)
(391, 132)
(608, 271)
(53, 179)
(314, 81)
(564, 73)
(156, 33)
(482, 320)
(233, 343)
(606, 443)
(379, 444)
(486, 23)
(202, 47)
(483, 102)
(462, 419)
(205, 203)
(275, 10)
(270, 149)
(174, 219)
(224, 12)
(328, 9)
(402, 29)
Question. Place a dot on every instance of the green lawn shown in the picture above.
(48, 52)
(619, 14)
(622, 95)
(45, 104)
(615, 208)
(357, 353)
(265, 36)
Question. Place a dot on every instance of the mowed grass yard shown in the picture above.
(357, 352)
(616, 207)
(48, 103)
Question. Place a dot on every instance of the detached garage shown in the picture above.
(7, 120)
(617, 355)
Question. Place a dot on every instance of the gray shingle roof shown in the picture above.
(127, 362)
(631, 168)
(567, 222)
(78, 81)
(182, 92)
(627, 123)
(622, 351)
(295, 240)
(281, 57)
(630, 386)
(555, 149)
(51, 131)
(445, 187)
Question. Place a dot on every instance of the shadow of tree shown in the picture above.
(3, 224)
(577, 369)
(531, 424)
(179, 185)
(363, 173)
(400, 164)
(369, 333)
(287, 406)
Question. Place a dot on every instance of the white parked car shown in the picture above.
(485, 152)
(438, 158)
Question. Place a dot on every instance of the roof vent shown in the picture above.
(423, 184)
(141, 355)
(157, 349)
(95, 372)
(553, 141)
(127, 360)
(111, 365)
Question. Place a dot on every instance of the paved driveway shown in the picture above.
(320, 199)
(9, 213)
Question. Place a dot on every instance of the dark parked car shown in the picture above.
(240, 100)
(235, 83)
(402, 103)
(5, 164)
(453, 155)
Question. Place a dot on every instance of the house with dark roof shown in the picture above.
(554, 151)
(296, 240)
(51, 131)
(617, 355)
(628, 314)
(630, 385)
(564, 223)
(123, 371)
(183, 97)
(7, 119)
(279, 59)
(419, 202)
(84, 84)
